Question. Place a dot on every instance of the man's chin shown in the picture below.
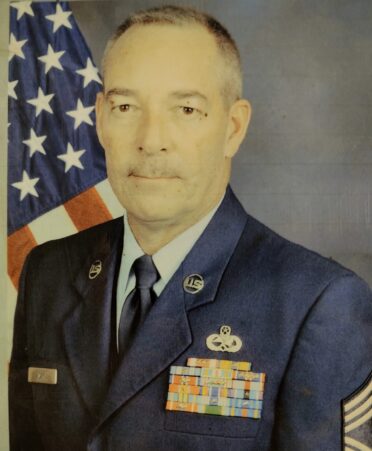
(154, 207)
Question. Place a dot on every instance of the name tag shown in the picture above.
(42, 376)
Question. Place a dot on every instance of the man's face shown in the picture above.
(163, 123)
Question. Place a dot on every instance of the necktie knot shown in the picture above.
(145, 272)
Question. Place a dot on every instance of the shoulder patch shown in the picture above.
(357, 418)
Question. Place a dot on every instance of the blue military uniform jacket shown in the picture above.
(303, 320)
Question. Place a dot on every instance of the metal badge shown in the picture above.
(42, 376)
(193, 283)
(95, 269)
(224, 341)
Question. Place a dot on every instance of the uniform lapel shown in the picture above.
(163, 336)
(212, 252)
(87, 330)
(166, 333)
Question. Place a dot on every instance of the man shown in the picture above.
(192, 326)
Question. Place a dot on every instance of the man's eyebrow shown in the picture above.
(186, 94)
(179, 95)
(120, 92)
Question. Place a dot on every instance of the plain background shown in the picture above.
(305, 168)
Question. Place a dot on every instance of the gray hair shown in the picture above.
(178, 15)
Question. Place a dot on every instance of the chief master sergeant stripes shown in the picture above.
(243, 341)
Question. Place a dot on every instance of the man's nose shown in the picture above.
(152, 136)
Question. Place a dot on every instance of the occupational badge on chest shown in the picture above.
(216, 387)
(224, 341)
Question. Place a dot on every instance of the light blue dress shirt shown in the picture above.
(167, 259)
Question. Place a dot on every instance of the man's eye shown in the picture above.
(188, 110)
(124, 108)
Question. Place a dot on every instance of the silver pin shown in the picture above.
(193, 283)
(224, 341)
(95, 269)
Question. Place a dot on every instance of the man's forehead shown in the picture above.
(167, 59)
(163, 37)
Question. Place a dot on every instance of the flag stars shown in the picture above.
(15, 47)
(22, 8)
(72, 158)
(90, 73)
(41, 102)
(11, 89)
(51, 59)
(60, 18)
(81, 114)
(35, 143)
(26, 186)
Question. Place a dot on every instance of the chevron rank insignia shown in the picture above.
(357, 418)
(216, 387)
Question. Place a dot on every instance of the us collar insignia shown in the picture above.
(95, 269)
(193, 283)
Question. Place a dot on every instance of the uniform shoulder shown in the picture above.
(305, 258)
(292, 260)
(79, 241)
(293, 274)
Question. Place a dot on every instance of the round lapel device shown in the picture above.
(95, 269)
(193, 283)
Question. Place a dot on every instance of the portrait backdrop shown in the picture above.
(305, 168)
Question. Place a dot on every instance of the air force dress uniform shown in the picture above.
(263, 310)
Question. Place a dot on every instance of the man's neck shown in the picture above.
(153, 235)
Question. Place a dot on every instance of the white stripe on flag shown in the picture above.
(105, 191)
(54, 224)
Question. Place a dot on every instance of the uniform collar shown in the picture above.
(169, 257)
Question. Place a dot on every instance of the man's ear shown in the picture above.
(239, 118)
(99, 112)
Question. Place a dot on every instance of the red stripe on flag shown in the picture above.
(87, 209)
(19, 245)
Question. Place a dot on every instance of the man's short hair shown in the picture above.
(179, 15)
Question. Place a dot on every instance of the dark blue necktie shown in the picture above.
(138, 302)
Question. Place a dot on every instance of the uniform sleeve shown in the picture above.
(330, 366)
(23, 432)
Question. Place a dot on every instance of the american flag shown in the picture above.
(57, 181)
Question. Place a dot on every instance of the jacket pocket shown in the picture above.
(213, 425)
